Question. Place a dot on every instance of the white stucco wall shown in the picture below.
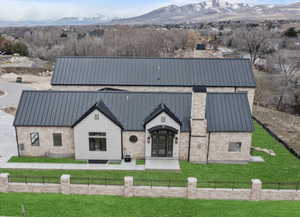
(156, 122)
(113, 138)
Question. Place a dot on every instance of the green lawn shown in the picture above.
(284, 167)
(56, 205)
(45, 160)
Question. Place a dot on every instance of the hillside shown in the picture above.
(208, 11)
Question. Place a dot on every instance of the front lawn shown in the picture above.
(46, 205)
(284, 167)
(45, 160)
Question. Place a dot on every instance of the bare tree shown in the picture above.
(289, 69)
(256, 41)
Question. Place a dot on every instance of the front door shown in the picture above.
(162, 143)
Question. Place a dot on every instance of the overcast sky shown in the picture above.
(54, 9)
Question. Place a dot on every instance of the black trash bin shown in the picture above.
(127, 158)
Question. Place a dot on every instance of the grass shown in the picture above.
(45, 160)
(282, 168)
(140, 162)
(48, 205)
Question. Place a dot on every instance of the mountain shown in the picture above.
(214, 10)
(99, 19)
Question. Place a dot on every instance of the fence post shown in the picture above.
(4, 182)
(65, 184)
(192, 188)
(128, 186)
(256, 189)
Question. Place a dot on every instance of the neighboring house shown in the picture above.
(184, 109)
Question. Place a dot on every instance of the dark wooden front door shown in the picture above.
(162, 143)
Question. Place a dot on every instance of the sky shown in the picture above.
(18, 10)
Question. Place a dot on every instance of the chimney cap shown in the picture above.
(199, 89)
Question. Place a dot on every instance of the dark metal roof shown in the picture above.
(64, 108)
(228, 112)
(126, 71)
(161, 108)
(100, 106)
(225, 112)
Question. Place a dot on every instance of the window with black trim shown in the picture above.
(57, 139)
(97, 141)
(235, 147)
(35, 139)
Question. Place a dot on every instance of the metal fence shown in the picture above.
(34, 179)
(97, 181)
(224, 184)
(282, 185)
(160, 182)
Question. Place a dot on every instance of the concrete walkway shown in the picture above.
(53, 166)
(158, 164)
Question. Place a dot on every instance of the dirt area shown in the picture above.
(10, 110)
(38, 82)
(285, 125)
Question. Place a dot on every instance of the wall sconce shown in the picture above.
(176, 140)
(148, 139)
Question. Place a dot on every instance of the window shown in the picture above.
(97, 141)
(96, 117)
(57, 139)
(234, 147)
(35, 139)
(133, 139)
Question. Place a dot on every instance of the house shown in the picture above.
(101, 108)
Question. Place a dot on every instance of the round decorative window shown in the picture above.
(133, 139)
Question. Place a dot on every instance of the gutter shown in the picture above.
(18, 146)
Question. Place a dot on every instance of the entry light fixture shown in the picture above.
(176, 140)
(148, 139)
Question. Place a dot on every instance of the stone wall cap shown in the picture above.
(4, 175)
(256, 181)
(192, 179)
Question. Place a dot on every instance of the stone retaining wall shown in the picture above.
(129, 190)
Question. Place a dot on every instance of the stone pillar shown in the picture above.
(4, 182)
(199, 135)
(128, 186)
(256, 189)
(65, 184)
(192, 188)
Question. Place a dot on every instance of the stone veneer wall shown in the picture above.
(46, 141)
(136, 149)
(251, 91)
(218, 147)
(191, 191)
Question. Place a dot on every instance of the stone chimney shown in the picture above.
(199, 135)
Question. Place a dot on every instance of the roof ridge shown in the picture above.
(142, 57)
(104, 92)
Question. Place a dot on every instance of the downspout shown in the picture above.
(122, 154)
(189, 148)
(18, 146)
(208, 144)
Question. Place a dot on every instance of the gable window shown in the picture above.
(35, 139)
(97, 141)
(57, 139)
(234, 147)
(163, 119)
(96, 117)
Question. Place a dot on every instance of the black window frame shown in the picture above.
(133, 139)
(55, 139)
(36, 141)
(97, 141)
(234, 143)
